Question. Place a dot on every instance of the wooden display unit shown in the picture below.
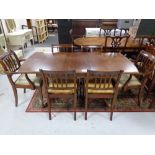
(42, 32)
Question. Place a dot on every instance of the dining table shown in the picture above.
(78, 61)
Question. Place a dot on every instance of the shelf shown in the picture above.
(41, 30)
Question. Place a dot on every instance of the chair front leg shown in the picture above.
(124, 88)
(41, 95)
(49, 109)
(86, 106)
(140, 96)
(75, 103)
(113, 102)
(15, 95)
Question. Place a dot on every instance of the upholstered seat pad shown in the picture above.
(92, 90)
(21, 80)
(61, 89)
(133, 82)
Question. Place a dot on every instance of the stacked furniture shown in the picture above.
(42, 31)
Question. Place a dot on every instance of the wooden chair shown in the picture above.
(59, 84)
(114, 32)
(150, 49)
(145, 64)
(98, 48)
(100, 85)
(146, 40)
(63, 48)
(11, 65)
(115, 43)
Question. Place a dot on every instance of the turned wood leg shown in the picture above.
(49, 110)
(112, 106)
(41, 96)
(15, 95)
(140, 97)
(86, 106)
(75, 101)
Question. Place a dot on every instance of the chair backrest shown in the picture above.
(114, 32)
(105, 32)
(146, 40)
(10, 61)
(121, 32)
(10, 24)
(58, 80)
(116, 43)
(97, 48)
(62, 48)
(145, 62)
(98, 80)
(150, 49)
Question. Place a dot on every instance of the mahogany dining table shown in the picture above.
(79, 61)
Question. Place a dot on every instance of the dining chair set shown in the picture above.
(65, 84)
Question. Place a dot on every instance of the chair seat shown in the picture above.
(21, 80)
(133, 82)
(100, 91)
(70, 89)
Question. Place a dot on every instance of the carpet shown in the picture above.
(126, 102)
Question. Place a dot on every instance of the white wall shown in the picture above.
(20, 22)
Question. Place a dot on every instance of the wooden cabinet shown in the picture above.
(79, 25)
(42, 32)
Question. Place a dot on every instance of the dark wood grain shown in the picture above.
(79, 61)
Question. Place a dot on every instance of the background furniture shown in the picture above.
(98, 48)
(115, 43)
(42, 31)
(62, 48)
(51, 25)
(18, 37)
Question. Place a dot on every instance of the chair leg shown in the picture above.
(41, 95)
(112, 106)
(86, 106)
(140, 97)
(49, 110)
(24, 90)
(15, 95)
(75, 101)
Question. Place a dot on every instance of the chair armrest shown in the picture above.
(22, 60)
(24, 26)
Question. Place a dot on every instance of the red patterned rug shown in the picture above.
(125, 103)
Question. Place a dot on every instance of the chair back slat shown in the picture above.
(98, 80)
(116, 43)
(10, 61)
(59, 79)
(62, 48)
(145, 62)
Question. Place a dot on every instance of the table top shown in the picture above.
(79, 61)
(95, 41)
